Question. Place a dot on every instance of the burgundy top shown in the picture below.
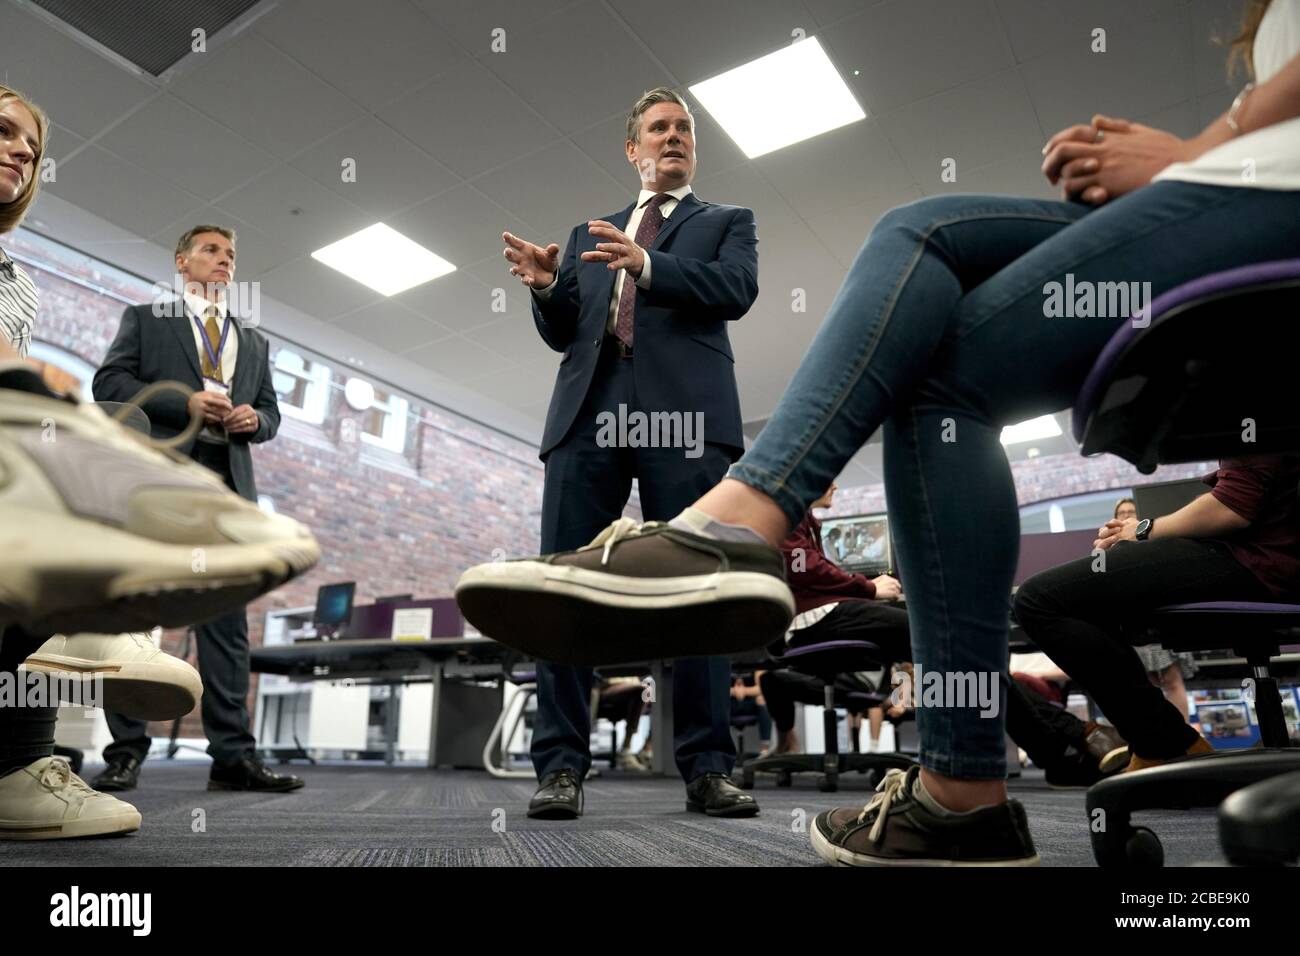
(1264, 491)
(815, 579)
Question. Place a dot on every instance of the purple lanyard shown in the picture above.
(214, 358)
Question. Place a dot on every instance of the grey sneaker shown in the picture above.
(102, 533)
(638, 592)
(895, 829)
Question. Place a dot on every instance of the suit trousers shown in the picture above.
(588, 480)
(223, 666)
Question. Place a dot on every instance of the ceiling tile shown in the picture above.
(908, 49)
(592, 67)
(457, 301)
(195, 153)
(845, 230)
(79, 89)
(375, 51)
(391, 326)
(1035, 27)
(120, 192)
(746, 186)
(461, 225)
(388, 173)
(316, 289)
(472, 22)
(254, 89)
(516, 339)
(457, 359)
(321, 217)
(1214, 24)
(468, 120)
(835, 168)
(1146, 68)
(520, 387)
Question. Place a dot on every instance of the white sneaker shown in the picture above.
(47, 801)
(100, 532)
(139, 680)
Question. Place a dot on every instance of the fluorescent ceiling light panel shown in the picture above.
(383, 259)
(1044, 426)
(780, 99)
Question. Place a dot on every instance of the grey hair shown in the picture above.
(660, 94)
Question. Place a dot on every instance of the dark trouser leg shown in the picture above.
(1043, 731)
(1073, 614)
(26, 733)
(223, 665)
(783, 689)
(668, 482)
(586, 487)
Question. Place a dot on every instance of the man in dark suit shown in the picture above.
(198, 342)
(639, 306)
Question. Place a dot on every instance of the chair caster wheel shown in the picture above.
(827, 783)
(1128, 847)
(784, 778)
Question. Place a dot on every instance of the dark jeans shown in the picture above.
(882, 625)
(26, 733)
(1089, 621)
(1042, 729)
(586, 487)
(943, 332)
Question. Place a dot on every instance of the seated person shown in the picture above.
(747, 701)
(622, 698)
(1238, 542)
(831, 604)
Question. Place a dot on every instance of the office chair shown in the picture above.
(1208, 375)
(826, 661)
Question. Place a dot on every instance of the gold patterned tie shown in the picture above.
(214, 342)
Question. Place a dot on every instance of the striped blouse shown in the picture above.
(17, 304)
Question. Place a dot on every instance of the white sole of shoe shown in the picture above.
(571, 615)
(142, 690)
(118, 824)
(839, 856)
(101, 579)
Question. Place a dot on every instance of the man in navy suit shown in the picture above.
(639, 306)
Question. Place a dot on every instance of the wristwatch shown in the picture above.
(1144, 528)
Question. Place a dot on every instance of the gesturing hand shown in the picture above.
(533, 265)
(618, 249)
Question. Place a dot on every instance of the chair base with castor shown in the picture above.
(825, 661)
(1260, 825)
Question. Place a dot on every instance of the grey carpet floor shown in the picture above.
(371, 815)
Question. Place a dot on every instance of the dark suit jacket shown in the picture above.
(151, 348)
(703, 274)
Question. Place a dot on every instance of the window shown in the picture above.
(384, 422)
(301, 386)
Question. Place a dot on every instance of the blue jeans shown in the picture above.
(940, 333)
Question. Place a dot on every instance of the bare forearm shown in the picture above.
(1206, 517)
(1273, 102)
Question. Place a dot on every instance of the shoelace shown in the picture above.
(58, 775)
(889, 788)
(617, 531)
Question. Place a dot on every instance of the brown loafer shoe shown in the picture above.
(636, 593)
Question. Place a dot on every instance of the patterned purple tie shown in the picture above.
(651, 221)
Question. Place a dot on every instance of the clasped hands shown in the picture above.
(1105, 159)
(1114, 531)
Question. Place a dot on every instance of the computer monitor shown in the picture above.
(334, 607)
(394, 598)
(859, 543)
(1166, 497)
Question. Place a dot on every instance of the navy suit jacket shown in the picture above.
(703, 274)
(151, 348)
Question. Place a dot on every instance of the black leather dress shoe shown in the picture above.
(716, 795)
(122, 773)
(558, 797)
(251, 774)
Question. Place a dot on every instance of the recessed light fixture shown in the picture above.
(803, 95)
(383, 259)
(1045, 426)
